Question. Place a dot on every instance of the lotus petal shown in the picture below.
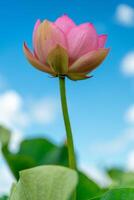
(65, 23)
(81, 40)
(89, 62)
(36, 63)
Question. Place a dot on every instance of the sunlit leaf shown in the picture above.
(86, 188)
(117, 194)
(45, 182)
(35, 152)
(121, 178)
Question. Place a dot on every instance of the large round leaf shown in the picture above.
(121, 178)
(86, 188)
(115, 173)
(45, 182)
(36, 148)
(35, 152)
(117, 194)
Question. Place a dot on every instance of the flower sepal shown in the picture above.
(78, 76)
(57, 59)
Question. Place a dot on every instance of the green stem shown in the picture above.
(71, 153)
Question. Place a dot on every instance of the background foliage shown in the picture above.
(42, 152)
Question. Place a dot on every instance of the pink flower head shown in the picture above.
(62, 48)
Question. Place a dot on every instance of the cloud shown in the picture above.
(129, 115)
(127, 64)
(16, 138)
(11, 113)
(18, 113)
(98, 175)
(6, 179)
(117, 145)
(44, 111)
(130, 161)
(125, 15)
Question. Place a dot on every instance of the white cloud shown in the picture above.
(117, 145)
(11, 114)
(44, 111)
(130, 161)
(98, 175)
(125, 15)
(16, 138)
(6, 179)
(129, 116)
(127, 64)
(16, 112)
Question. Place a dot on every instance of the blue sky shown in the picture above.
(97, 106)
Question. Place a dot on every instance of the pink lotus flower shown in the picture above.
(62, 48)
